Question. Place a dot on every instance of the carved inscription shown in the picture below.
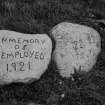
(23, 53)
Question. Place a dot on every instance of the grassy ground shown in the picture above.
(32, 16)
(39, 16)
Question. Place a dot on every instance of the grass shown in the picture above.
(39, 16)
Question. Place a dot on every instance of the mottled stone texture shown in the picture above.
(77, 47)
(23, 56)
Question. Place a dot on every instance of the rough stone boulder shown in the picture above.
(23, 56)
(77, 47)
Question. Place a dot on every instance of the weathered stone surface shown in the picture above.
(77, 47)
(23, 56)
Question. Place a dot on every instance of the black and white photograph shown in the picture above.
(52, 52)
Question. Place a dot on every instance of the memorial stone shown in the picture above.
(77, 47)
(23, 56)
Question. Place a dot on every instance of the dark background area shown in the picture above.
(39, 16)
